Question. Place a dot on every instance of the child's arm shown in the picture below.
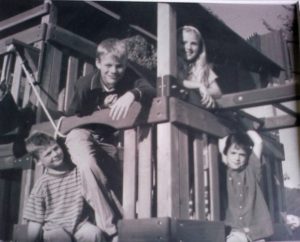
(221, 146)
(34, 231)
(258, 143)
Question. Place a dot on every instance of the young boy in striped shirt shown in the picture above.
(56, 210)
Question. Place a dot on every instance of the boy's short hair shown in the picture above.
(37, 142)
(112, 46)
(242, 140)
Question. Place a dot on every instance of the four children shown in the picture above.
(59, 200)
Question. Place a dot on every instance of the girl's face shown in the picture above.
(189, 46)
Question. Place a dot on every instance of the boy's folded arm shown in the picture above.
(221, 146)
(34, 231)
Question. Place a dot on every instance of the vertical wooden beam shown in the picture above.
(72, 76)
(16, 83)
(279, 186)
(166, 40)
(183, 159)
(167, 171)
(87, 68)
(214, 179)
(198, 147)
(130, 176)
(145, 172)
(50, 79)
(269, 177)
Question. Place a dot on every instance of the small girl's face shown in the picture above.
(236, 157)
(189, 46)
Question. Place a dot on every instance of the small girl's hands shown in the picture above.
(207, 100)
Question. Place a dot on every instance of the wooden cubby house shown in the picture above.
(170, 154)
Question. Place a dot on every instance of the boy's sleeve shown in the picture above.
(143, 91)
(35, 206)
(255, 164)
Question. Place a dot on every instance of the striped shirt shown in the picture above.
(56, 201)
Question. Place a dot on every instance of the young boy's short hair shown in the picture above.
(112, 46)
(37, 142)
(242, 140)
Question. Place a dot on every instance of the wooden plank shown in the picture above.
(184, 176)
(10, 162)
(279, 122)
(145, 172)
(70, 40)
(167, 171)
(87, 68)
(72, 76)
(258, 97)
(136, 116)
(50, 79)
(269, 183)
(194, 117)
(198, 147)
(130, 173)
(28, 36)
(16, 83)
(26, 185)
(214, 179)
(26, 96)
(166, 40)
(22, 17)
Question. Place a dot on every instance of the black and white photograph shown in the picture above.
(148, 121)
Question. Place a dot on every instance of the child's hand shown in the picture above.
(292, 221)
(120, 108)
(206, 99)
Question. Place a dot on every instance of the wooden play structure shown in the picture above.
(170, 155)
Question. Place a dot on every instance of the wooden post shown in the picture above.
(16, 79)
(130, 176)
(199, 177)
(167, 146)
(214, 179)
(269, 177)
(145, 172)
(72, 76)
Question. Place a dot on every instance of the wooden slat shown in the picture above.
(72, 76)
(269, 183)
(183, 159)
(22, 17)
(130, 173)
(50, 79)
(214, 179)
(27, 36)
(26, 185)
(145, 172)
(16, 83)
(199, 177)
(258, 97)
(194, 117)
(72, 41)
(167, 171)
(26, 96)
(87, 68)
(279, 122)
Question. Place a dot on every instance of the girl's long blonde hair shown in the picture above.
(199, 68)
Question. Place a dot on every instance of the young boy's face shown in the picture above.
(52, 157)
(236, 157)
(112, 69)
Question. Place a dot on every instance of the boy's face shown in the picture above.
(189, 47)
(52, 157)
(112, 69)
(236, 157)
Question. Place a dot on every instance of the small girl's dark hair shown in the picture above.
(38, 141)
(240, 139)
